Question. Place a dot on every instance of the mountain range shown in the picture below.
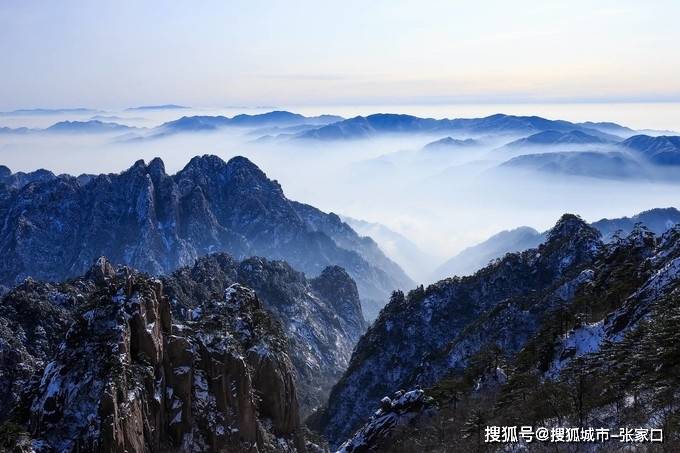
(87, 127)
(384, 123)
(44, 112)
(637, 157)
(261, 120)
(53, 228)
(575, 137)
(158, 107)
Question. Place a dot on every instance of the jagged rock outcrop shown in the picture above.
(33, 318)
(321, 317)
(53, 228)
(419, 338)
(127, 377)
(20, 179)
(394, 415)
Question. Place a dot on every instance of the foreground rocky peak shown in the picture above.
(322, 317)
(157, 222)
(571, 240)
(128, 377)
(533, 336)
(420, 337)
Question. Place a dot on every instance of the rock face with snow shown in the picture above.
(321, 317)
(538, 335)
(394, 415)
(33, 318)
(52, 228)
(419, 338)
(20, 179)
(128, 376)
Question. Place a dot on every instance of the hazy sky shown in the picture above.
(217, 53)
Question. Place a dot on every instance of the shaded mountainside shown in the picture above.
(538, 338)
(52, 228)
(118, 372)
(321, 317)
(661, 150)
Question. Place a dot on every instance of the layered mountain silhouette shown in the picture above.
(143, 217)
(46, 112)
(261, 120)
(92, 126)
(385, 123)
(157, 107)
(87, 127)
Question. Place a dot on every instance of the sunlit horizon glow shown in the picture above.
(124, 53)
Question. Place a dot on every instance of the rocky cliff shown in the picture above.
(321, 317)
(125, 375)
(54, 227)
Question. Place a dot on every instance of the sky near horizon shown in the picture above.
(224, 53)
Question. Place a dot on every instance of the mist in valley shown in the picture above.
(440, 199)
